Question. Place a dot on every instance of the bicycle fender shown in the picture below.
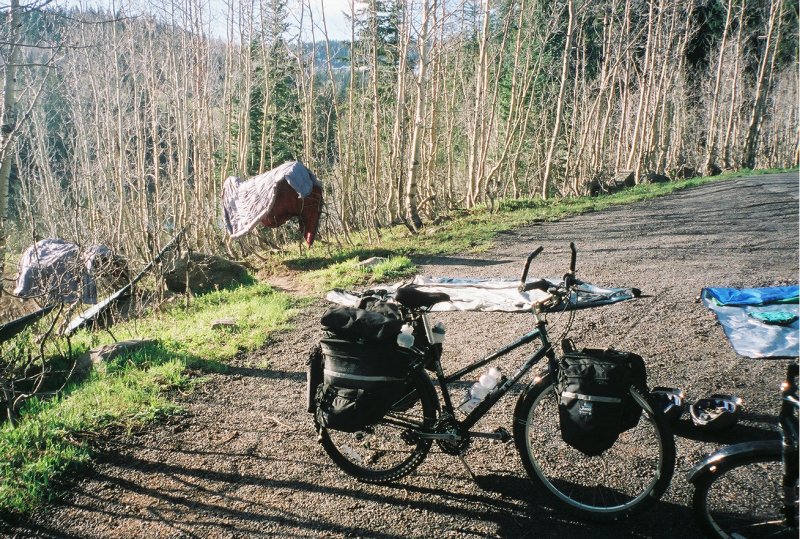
(745, 451)
(535, 382)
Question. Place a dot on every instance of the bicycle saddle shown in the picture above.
(413, 298)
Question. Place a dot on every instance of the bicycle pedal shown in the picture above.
(500, 434)
(503, 435)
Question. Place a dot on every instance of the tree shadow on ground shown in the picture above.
(456, 261)
(308, 263)
(194, 501)
(733, 435)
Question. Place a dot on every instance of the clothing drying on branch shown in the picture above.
(271, 199)
(63, 272)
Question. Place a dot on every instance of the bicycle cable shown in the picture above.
(570, 320)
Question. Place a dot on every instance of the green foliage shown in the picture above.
(377, 27)
(349, 274)
(132, 390)
(53, 437)
(274, 113)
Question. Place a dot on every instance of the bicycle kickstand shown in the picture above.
(469, 470)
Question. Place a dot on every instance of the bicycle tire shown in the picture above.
(385, 451)
(743, 498)
(624, 480)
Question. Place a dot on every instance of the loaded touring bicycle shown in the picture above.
(583, 425)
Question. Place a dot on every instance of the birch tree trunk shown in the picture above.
(8, 125)
(412, 214)
(753, 131)
(734, 90)
(559, 102)
(711, 141)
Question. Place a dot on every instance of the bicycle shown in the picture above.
(624, 480)
(750, 489)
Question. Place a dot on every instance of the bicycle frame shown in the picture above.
(789, 404)
(544, 350)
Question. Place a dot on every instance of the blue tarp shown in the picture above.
(759, 322)
(755, 296)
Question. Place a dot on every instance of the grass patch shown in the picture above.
(54, 436)
(133, 390)
(350, 273)
(257, 310)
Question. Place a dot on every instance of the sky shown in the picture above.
(338, 27)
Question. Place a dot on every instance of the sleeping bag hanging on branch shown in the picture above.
(271, 199)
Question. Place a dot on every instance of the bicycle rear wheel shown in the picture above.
(391, 448)
(743, 499)
(623, 480)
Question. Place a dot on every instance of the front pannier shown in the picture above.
(595, 404)
(361, 383)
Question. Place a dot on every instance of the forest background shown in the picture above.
(120, 127)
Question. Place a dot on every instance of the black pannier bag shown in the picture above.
(314, 367)
(363, 324)
(595, 404)
(361, 383)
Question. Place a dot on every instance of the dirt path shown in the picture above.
(244, 462)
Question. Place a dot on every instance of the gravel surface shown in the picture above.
(244, 461)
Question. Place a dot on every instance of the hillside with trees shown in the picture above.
(119, 128)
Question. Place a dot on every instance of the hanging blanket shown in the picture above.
(289, 190)
(498, 295)
(759, 322)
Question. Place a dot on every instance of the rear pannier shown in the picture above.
(361, 382)
(595, 404)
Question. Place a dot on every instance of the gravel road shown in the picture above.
(244, 461)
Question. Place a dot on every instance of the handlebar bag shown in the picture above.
(361, 382)
(595, 404)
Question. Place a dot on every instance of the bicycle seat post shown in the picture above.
(426, 323)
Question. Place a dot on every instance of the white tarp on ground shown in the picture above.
(246, 202)
(746, 316)
(494, 295)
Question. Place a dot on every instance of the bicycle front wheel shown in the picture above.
(391, 448)
(623, 480)
(744, 499)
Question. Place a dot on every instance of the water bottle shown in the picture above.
(437, 333)
(491, 378)
(475, 394)
(406, 338)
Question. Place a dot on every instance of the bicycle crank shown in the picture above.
(450, 437)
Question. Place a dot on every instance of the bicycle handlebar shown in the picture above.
(569, 278)
(533, 255)
(573, 257)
